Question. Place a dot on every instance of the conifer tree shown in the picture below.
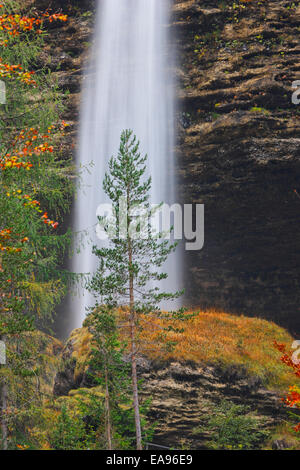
(130, 267)
(31, 178)
(108, 367)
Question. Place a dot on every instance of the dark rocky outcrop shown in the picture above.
(182, 393)
(238, 153)
(280, 444)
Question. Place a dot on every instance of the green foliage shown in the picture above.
(256, 109)
(28, 375)
(128, 188)
(107, 351)
(108, 368)
(232, 427)
(80, 423)
(130, 267)
(70, 432)
(37, 279)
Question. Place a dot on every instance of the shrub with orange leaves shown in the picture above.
(25, 145)
(28, 143)
(15, 24)
(292, 399)
(22, 219)
(16, 72)
(26, 155)
(29, 150)
(11, 27)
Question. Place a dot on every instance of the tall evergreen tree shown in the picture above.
(130, 267)
(31, 178)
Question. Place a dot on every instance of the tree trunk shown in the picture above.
(135, 385)
(107, 409)
(4, 430)
(3, 410)
(133, 342)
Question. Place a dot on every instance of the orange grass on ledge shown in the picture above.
(208, 338)
(213, 337)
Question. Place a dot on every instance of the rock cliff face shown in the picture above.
(238, 153)
(183, 393)
(238, 144)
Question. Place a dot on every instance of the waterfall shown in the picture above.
(128, 84)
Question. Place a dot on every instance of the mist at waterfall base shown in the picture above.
(128, 85)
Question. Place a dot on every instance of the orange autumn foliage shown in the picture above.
(209, 339)
(23, 147)
(292, 399)
(213, 337)
(13, 25)
(16, 72)
(215, 334)
(16, 24)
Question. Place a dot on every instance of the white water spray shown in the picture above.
(128, 86)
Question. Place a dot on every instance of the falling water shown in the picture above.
(128, 85)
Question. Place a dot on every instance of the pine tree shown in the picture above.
(130, 267)
(108, 367)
